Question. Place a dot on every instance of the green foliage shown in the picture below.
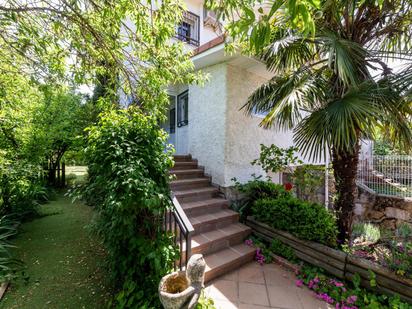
(10, 268)
(322, 87)
(21, 190)
(254, 190)
(129, 186)
(309, 221)
(205, 303)
(283, 250)
(275, 159)
(346, 294)
(366, 231)
(400, 258)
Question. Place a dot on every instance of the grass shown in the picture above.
(64, 263)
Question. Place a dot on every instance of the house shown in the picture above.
(207, 121)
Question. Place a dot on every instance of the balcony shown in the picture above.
(189, 29)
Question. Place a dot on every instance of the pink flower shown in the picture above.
(352, 299)
(249, 242)
(299, 283)
(339, 284)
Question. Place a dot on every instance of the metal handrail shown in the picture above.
(193, 21)
(177, 222)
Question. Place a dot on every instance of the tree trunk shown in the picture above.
(345, 165)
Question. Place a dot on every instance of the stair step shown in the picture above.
(218, 239)
(187, 174)
(184, 165)
(196, 194)
(180, 158)
(228, 259)
(204, 206)
(215, 220)
(190, 183)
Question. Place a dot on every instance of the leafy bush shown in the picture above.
(21, 189)
(400, 258)
(366, 232)
(254, 190)
(129, 186)
(305, 220)
(9, 266)
(283, 250)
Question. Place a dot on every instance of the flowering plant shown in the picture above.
(344, 295)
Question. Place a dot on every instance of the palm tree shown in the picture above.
(335, 87)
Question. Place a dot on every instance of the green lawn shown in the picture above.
(64, 263)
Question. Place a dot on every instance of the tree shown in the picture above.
(334, 86)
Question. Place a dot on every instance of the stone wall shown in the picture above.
(387, 211)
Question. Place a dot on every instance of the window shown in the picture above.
(172, 123)
(183, 109)
(189, 30)
(183, 31)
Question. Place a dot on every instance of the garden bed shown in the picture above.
(338, 263)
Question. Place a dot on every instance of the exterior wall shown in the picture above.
(207, 117)
(243, 134)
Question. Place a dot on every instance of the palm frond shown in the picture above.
(284, 97)
(287, 52)
(346, 58)
(340, 123)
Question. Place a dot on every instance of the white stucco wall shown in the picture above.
(243, 134)
(207, 117)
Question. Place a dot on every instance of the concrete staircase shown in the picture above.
(218, 234)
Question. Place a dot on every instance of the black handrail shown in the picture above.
(177, 222)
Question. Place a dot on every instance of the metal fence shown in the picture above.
(389, 175)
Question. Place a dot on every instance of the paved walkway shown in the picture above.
(267, 286)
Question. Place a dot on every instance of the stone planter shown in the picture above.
(182, 289)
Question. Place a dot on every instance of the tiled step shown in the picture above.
(204, 206)
(215, 220)
(188, 174)
(180, 158)
(226, 260)
(215, 240)
(197, 194)
(184, 165)
(191, 183)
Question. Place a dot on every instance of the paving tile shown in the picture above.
(232, 276)
(309, 300)
(223, 290)
(251, 274)
(224, 304)
(253, 294)
(279, 277)
(284, 297)
(246, 306)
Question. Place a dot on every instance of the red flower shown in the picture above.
(288, 186)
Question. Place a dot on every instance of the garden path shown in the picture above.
(258, 287)
(63, 261)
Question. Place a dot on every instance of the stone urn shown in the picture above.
(182, 289)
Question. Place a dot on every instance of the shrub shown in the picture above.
(254, 190)
(129, 186)
(21, 189)
(305, 220)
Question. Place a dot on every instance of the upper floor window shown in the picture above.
(189, 29)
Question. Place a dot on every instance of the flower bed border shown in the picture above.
(338, 263)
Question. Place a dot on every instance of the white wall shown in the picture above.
(207, 117)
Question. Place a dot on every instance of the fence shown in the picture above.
(389, 175)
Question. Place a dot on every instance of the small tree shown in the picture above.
(322, 54)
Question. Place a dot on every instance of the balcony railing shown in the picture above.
(189, 29)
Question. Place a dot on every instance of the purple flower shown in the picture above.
(299, 283)
(352, 299)
(249, 242)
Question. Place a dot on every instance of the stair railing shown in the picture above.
(177, 222)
